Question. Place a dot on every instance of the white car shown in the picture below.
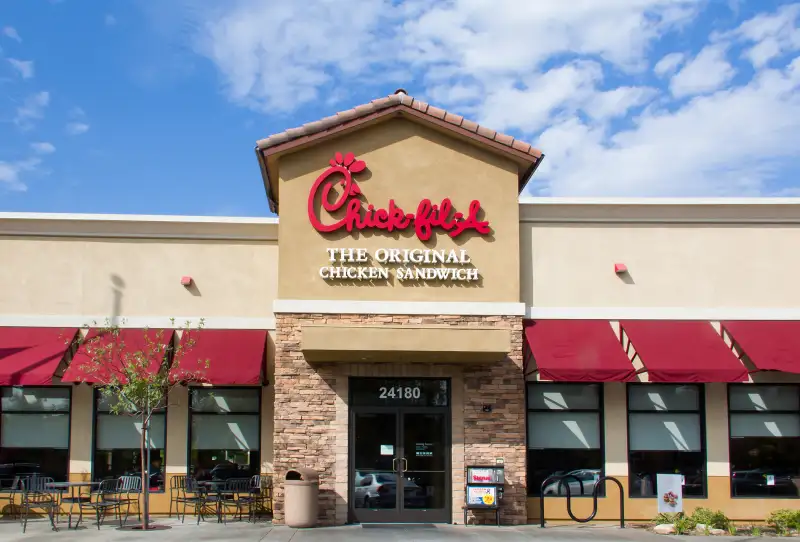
(379, 490)
(587, 477)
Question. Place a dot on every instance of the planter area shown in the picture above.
(705, 522)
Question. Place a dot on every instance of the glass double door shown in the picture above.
(399, 465)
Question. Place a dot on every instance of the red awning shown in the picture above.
(578, 351)
(30, 355)
(770, 345)
(234, 356)
(129, 339)
(683, 351)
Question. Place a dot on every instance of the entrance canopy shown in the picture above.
(30, 356)
(578, 351)
(683, 351)
(769, 345)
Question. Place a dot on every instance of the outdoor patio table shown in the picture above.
(217, 487)
(75, 496)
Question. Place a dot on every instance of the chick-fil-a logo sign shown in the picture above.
(429, 216)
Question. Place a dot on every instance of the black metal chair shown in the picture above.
(237, 494)
(261, 494)
(193, 495)
(127, 492)
(10, 494)
(37, 492)
(100, 502)
(177, 490)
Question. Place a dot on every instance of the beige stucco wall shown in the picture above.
(137, 277)
(406, 162)
(684, 256)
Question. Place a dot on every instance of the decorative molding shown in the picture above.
(465, 308)
(69, 320)
(662, 313)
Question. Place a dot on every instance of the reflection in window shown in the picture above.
(564, 437)
(34, 433)
(764, 440)
(665, 428)
(118, 441)
(225, 438)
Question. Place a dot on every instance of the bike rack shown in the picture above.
(597, 486)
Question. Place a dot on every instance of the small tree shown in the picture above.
(136, 373)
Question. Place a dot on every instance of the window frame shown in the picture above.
(192, 389)
(701, 411)
(95, 412)
(730, 411)
(600, 411)
(68, 413)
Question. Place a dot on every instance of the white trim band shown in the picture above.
(77, 320)
(458, 308)
(662, 313)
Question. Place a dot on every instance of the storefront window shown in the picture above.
(118, 440)
(665, 436)
(34, 433)
(564, 437)
(765, 440)
(225, 433)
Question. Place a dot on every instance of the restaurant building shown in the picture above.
(407, 316)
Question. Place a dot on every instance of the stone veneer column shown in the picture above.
(311, 422)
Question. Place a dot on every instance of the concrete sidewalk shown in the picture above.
(39, 530)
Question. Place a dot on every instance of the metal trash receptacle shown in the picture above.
(301, 498)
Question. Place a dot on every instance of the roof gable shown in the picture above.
(399, 103)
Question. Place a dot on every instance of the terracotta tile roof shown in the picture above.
(398, 100)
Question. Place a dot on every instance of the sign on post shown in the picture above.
(670, 493)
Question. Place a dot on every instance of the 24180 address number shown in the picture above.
(400, 392)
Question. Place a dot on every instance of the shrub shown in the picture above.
(731, 529)
(783, 520)
(755, 530)
(665, 519)
(711, 519)
(684, 524)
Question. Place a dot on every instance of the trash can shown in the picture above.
(301, 498)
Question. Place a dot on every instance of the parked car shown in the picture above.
(379, 490)
(587, 478)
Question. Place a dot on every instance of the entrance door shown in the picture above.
(399, 454)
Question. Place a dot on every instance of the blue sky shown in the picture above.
(154, 107)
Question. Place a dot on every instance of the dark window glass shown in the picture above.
(665, 436)
(225, 433)
(565, 437)
(34, 432)
(117, 444)
(764, 440)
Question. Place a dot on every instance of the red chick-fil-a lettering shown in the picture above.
(428, 217)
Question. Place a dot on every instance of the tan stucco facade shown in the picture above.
(542, 259)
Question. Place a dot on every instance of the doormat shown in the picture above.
(398, 526)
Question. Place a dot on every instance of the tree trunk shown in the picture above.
(145, 476)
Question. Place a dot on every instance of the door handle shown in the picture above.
(405, 464)
(394, 464)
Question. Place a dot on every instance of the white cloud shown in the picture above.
(11, 173)
(32, 109)
(571, 77)
(772, 34)
(76, 113)
(668, 64)
(707, 72)
(43, 147)
(77, 128)
(11, 32)
(24, 67)
(110, 20)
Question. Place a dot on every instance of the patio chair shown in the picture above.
(260, 493)
(127, 492)
(193, 495)
(100, 502)
(10, 493)
(37, 493)
(177, 489)
(238, 495)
